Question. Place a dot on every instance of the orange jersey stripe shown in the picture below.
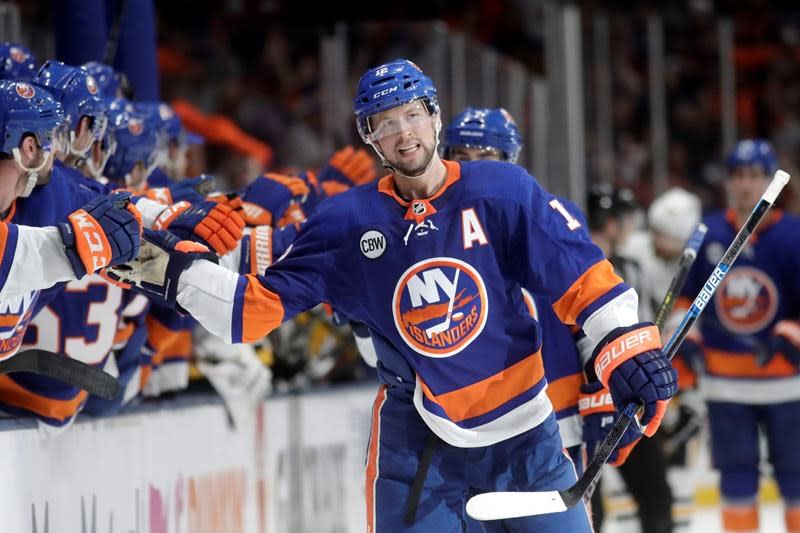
(563, 392)
(166, 342)
(372, 456)
(740, 518)
(682, 304)
(16, 396)
(490, 393)
(687, 379)
(124, 333)
(595, 282)
(723, 363)
(262, 310)
(792, 519)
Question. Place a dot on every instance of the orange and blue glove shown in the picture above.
(106, 231)
(211, 223)
(597, 411)
(346, 168)
(271, 197)
(630, 362)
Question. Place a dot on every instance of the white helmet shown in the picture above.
(675, 213)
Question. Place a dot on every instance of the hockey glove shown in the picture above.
(346, 168)
(597, 410)
(161, 261)
(629, 361)
(106, 231)
(191, 190)
(210, 223)
(266, 200)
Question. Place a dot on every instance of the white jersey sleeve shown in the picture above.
(32, 259)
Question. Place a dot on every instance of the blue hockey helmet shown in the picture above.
(74, 87)
(16, 62)
(136, 139)
(26, 109)
(753, 152)
(111, 83)
(390, 85)
(169, 124)
(29, 110)
(484, 128)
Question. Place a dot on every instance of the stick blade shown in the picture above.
(504, 505)
(76, 373)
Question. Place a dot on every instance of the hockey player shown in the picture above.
(85, 111)
(91, 319)
(748, 344)
(46, 237)
(611, 213)
(491, 134)
(431, 258)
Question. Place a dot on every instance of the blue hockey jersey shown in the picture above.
(33, 257)
(439, 280)
(761, 289)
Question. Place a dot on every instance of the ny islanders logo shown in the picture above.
(746, 301)
(440, 306)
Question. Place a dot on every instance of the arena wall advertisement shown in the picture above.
(297, 466)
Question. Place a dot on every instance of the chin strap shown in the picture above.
(33, 173)
(81, 155)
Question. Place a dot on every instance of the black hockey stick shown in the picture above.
(63, 368)
(675, 286)
(504, 505)
(686, 262)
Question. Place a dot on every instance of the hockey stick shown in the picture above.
(63, 368)
(675, 286)
(686, 262)
(504, 505)
(442, 326)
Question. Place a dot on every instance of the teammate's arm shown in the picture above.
(244, 308)
(101, 233)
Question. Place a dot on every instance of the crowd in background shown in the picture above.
(258, 64)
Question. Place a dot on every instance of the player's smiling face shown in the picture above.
(406, 136)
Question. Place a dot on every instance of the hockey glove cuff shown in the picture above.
(629, 361)
(106, 231)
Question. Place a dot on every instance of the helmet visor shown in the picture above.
(398, 120)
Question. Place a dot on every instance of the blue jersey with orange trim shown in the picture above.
(439, 280)
(562, 359)
(562, 368)
(762, 288)
(50, 400)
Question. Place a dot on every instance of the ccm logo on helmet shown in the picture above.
(612, 352)
(384, 92)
